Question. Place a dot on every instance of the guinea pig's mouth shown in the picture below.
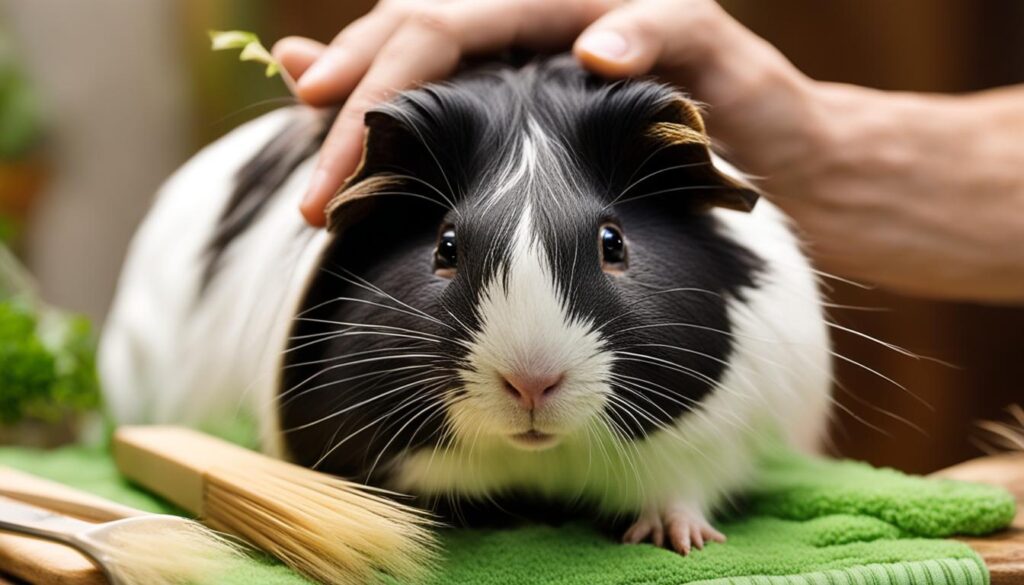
(534, 440)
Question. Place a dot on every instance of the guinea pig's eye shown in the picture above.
(446, 255)
(613, 248)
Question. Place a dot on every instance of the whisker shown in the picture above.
(643, 358)
(381, 305)
(619, 443)
(354, 354)
(323, 336)
(349, 408)
(884, 344)
(357, 280)
(691, 405)
(856, 308)
(654, 174)
(405, 176)
(841, 279)
(636, 309)
(406, 194)
(421, 335)
(867, 403)
(398, 112)
(750, 384)
(355, 433)
(281, 100)
(323, 371)
(351, 333)
(433, 412)
(332, 383)
(832, 352)
(673, 190)
(854, 362)
(623, 402)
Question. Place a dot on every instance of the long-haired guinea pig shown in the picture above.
(536, 283)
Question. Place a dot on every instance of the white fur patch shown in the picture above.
(166, 358)
(525, 329)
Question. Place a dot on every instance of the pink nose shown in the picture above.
(532, 390)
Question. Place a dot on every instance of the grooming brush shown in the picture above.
(1003, 436)
(30, 489)
(141, 549)
(329, 529)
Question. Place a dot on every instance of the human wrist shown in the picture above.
(761, 109)
(933, 178)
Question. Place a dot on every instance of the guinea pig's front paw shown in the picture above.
(683, 525)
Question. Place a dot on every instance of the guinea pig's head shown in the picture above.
(524, 255)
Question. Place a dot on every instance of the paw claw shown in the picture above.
(697, 538)
(642, 529)
(712, 534)
(680, 537)
(659, 537)
(682, 528)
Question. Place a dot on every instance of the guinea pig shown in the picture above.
(537, 282)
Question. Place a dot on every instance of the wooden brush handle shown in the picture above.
(173, 461)
(47, 563)
(60, 498)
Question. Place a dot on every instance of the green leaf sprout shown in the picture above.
(251, 48)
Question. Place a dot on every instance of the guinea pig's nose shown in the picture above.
(532, 390)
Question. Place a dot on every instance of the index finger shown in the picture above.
(427, 47)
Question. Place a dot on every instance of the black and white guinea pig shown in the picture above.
(536, 283)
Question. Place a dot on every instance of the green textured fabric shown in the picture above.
(809, 522)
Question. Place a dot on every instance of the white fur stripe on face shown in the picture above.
(525, 330)
(522, 315)
(515, 176)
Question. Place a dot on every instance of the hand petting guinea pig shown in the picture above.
(537, 283)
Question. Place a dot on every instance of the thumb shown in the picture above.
(297, 54)
(623, 43)
(667, 35)
(757, 98)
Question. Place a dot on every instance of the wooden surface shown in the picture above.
(1003, 552)
(46, 563)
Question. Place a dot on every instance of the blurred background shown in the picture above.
(101, 100)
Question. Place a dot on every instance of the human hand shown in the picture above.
(403, 43)
(921, 194)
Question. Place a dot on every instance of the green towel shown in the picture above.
(810, 521)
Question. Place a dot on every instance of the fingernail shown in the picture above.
(605, 44)
(316, 75)
(316, 186)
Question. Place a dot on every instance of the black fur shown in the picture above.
(350, 402)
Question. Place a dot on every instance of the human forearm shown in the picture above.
(923, 194)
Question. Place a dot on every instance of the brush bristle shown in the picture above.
(176, 552)
(331, 530)
(1003, 436)
(670, 133)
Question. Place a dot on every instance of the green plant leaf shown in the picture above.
(231, 39)
(249, 43)
(47, 356)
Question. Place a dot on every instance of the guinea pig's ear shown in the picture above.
(679, 151)
(391, 154)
